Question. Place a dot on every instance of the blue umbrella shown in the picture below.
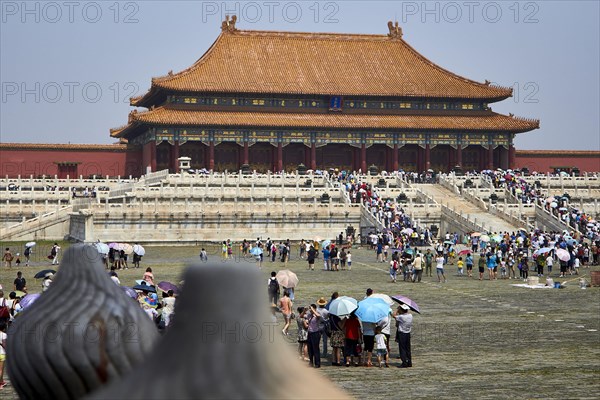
(542, 251)
(372, 310)
(325, 243)
(571, 242)
(256, 251)
(343, 306)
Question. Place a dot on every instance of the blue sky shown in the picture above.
(67, 69)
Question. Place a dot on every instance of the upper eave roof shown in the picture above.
(247, 61)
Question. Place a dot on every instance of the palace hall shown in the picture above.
(274, 100)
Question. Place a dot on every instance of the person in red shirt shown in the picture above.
(353, 338)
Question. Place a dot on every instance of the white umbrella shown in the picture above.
(29, 244)
(383, 297)
(139, 250)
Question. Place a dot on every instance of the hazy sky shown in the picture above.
(68, 68)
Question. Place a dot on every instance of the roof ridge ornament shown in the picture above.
(229, 24)
(395, 30)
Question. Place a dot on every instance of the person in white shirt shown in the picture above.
(381, 347)
(549, 262)
(168, 307)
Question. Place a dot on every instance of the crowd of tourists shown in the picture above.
(352, 341)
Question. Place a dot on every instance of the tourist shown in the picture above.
(168, 307)
(148, 277)
(124, 257)
(549, 263)
(117, 258)
(337, 339)
(54, 253)
(459, 265)
(27, 254)
(381, 346)
(273, 251)
(285, 306)
(326, 260)
(20, 284)
(3, 328)
(333, 256)
(47, 281)
(379, 250)
(428, 262)
(524, 267)
(310, 257)
(368, 330)
(511, 266)
(491, 264)
(540, 261)
(302, 249)
(404, 320)
(314, 336)
(273, 288)
(324, 326)
(481, 264)
(439, 267)
(353, 336)
(114, 277)
(224, 250)
(393, 270)
(503, 268)
(7, 258)
(348, 259)
(203, 256)
(343, 257)
(302, 323)
(469, 263)
(417, 265)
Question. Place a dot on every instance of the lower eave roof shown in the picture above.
(273, 120)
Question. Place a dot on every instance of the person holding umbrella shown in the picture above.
(405, 321)
(314, 336)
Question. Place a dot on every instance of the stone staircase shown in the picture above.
(457, 203)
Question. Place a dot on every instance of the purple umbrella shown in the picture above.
(28, 300)
(405, 300)
(129, 292)
(166, 286)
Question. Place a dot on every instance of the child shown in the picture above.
(18, 260)
(393, 270)
(503, 268)
(460, 264)
(381, 347)
(302, 334)
(349, 260)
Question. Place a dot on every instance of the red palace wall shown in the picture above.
(41, 159)
(113, 160)
(545, 160)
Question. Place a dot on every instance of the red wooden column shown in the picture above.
(363, 157)
(395, 157)
(153, 156)
(313, 156)
(279, 165)
(511, 157)
(211, 155)
(174, 167)
(427, 157)
(459, 155)
(491, 157)
(245, 158)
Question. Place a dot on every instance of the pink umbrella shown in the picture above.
(563, 255)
